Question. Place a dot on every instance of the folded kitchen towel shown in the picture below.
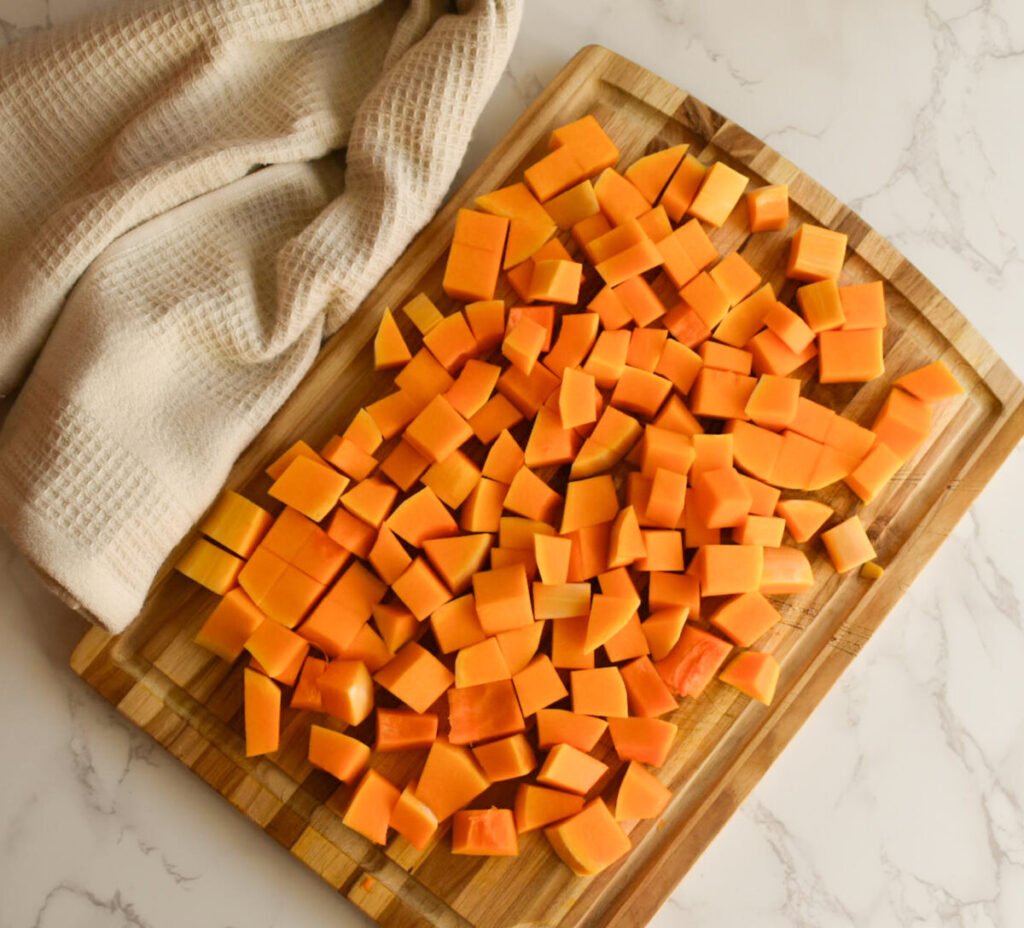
(193, 194)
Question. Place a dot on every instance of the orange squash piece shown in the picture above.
(530, 496)
(646, 740)
(615, 241)
(694, 661)
(651, 173)
(879, 467)
(573, 205)
(641, 392)
(482, 712)
(598, 691)
(633, 261)
(590, 144)
(719, 192)
(590, 841)
(485, 832)
(420, 589)
(666, 590)
(371, 807)
(502, 598)
(555, 281)
(422, 517)
(475, 256)
(389, 347)
(306, 694)
(262, 714)
(745, 618)
(571, 770)
(552, 556)
(413, 819)
(210, 566)
(620, 201)
(438, 430)
(575, 339)
(561, 601)
(804, 517)
(773, 402)
(232, 622)
(486, 320)
(607, 305)
(346, 690)
(519, 645)
(641, 795)
(753, 673)
(481, 512)
(728, 569)
(821, 306)
(796, 334)
(903, 422)
(647, 694)
(554, 173)
(762, 496)
(682, 187)
(794, 466)
(550, 442)
(290, 597)
(457, 558)
(560, 726)
(664, 550)
(931, 383)
(662, 629)
(482, 662)
(786, 570)
(451, 341)
(401, 730)
(864, 306)
(626, 544)
(725, 358)
(773, 356)
(505, 759)
(589, 229)
(537, 806)
(341, 756)
(576, 403)
(706, 298)
(721, 394)
(608, 616)
(538, 685)
(278, 650)
(363, 432)
(812, 419)
(396, 624)
(719, 498)
(666, 498)
(746, 318)
(388, 557)
(370, 500)
(453, 479)
(404, 465)
(422, 313)
(848, 545)
(735, 278)
(415, 677)
(816, 253)
(589, 502)
(456, 626)
(280, 464)
(850, 357)
(849, 437)
(349, 458)
(768, 208)
(513, 202)
(236, 523)
(607, 359)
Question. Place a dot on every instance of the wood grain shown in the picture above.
(190, 702)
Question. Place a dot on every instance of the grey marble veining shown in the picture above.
(900, 801)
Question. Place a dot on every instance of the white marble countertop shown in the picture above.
(902, 800)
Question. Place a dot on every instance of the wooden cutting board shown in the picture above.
(191, 703)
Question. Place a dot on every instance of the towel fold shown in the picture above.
(193, 194)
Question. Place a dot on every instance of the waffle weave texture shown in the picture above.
(193, 195)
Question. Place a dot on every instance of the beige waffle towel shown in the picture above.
(179, 230)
